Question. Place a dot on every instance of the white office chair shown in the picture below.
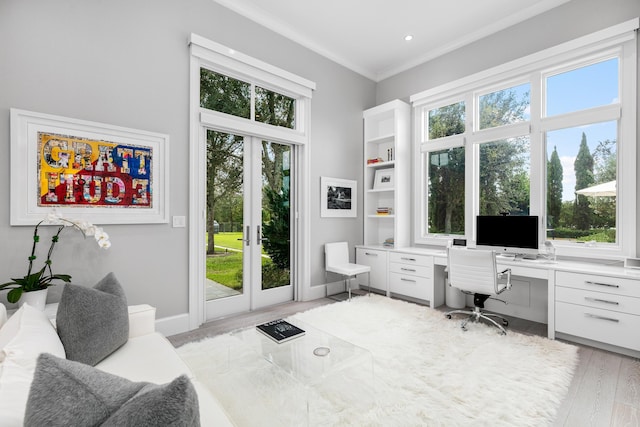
(336, 260)
(474, 271)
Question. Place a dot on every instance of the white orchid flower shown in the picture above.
(104, 243)
(53, 217)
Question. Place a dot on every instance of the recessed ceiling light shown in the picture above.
(408, 38)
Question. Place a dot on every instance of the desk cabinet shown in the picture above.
(377, 260)
(411, 275)
(599, 308)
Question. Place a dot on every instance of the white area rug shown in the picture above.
(428, 372)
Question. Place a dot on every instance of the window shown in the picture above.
(445, 162)
(551, 135)
(581, 160)
(446, 191)
(446, 121)
(275, 109)
(504, 177)
(227, 95)
(224, 94)
(505, 106)
(581, 88)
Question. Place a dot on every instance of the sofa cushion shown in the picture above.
(25, 335)
(149, 358)
(93, 322)
(211, 411)
(67, 393)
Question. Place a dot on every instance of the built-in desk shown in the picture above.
(591, 303)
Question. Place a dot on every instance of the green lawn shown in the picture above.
(228, 240)
(226, 266)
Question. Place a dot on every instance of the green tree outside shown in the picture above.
(554, 189)
(583, 167)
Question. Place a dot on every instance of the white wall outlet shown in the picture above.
(179, 221)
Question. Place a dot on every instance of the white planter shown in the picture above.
(36, 299)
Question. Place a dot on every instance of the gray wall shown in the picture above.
(564, 23)
(126, 63)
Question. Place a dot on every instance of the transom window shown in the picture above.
(547, 138)
(225, 94)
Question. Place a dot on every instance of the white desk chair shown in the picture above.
(336, 260)
(474, 271)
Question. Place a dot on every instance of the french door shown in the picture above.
(248, 223)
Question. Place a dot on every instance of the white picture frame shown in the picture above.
(384, 179)
(57, 163)
(338, 198)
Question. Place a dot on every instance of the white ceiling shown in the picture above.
(367, 36)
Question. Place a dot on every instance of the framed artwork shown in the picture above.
(86, 170)
(384, 179)
(338, 197)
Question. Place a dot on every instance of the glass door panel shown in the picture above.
(225, 283)
(276, 216)
(248, 226)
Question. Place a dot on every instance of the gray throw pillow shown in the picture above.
(93, 322)
(66, 393)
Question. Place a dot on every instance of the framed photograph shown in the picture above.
(87, 171)
(338, 197)
(384, 179)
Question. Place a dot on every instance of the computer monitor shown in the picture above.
(513, 235)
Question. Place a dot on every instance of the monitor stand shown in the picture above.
(527, 256)
(515, 257)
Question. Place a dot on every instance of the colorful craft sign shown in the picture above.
(85, 172)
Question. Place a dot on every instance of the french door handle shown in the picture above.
(246, 239)
(260, 239)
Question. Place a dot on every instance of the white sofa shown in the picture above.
(147, 356)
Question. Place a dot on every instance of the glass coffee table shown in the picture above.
(313, 379)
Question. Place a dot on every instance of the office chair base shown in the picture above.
(476, 314)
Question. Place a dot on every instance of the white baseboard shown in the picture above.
(173, 325)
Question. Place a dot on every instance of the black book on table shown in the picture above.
(280, 330)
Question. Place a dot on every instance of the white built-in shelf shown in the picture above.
(381, 139)
(387, 137)
(381, 165)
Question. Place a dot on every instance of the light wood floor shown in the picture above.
(605, 390)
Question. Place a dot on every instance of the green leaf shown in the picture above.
(64, 277)
(14, 295)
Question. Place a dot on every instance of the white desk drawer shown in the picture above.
(414, 270)
(604, 301)
(606, 326)
(406, 258)
(377, 260)
(412, 286)
(590, 282)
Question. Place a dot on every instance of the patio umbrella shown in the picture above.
(606, 189)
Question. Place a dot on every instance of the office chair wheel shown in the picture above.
(505, 322)
(448, 316)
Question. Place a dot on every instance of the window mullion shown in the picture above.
(253, 103)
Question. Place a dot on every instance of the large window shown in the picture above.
(553, 136)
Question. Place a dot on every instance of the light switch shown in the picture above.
(179, 221)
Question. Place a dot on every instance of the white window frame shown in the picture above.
(224, 60)
(617, 41)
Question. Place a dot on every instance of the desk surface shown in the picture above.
(538, 268)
